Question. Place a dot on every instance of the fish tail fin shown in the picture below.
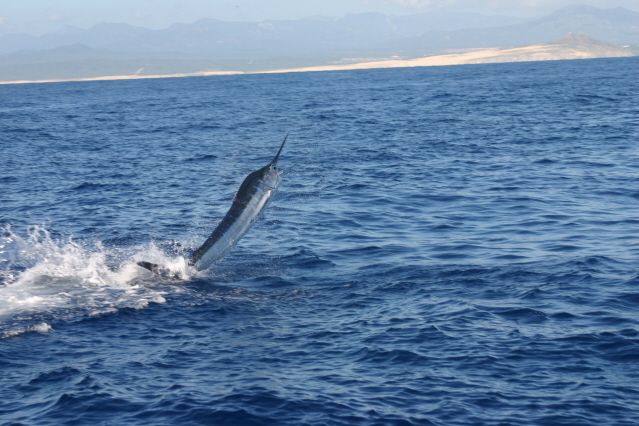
(158, 270)
(153, 267)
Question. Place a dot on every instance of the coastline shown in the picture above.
(532, 53)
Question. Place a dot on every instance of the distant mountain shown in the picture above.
(247, 46)
(618, 26)
(100, 36)
(210, 35)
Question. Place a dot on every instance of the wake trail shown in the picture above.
(44, 280)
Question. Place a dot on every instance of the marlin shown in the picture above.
(250, 200)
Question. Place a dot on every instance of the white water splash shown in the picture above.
(42, 328)
(42, 275)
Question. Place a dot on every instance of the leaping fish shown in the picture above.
(251, 199)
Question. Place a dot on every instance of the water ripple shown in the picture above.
(450, 246)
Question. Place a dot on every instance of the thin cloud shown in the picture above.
(423, 3)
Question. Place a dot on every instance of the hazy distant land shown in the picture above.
(110, 51)
(569, 48)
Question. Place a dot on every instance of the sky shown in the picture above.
(41, 16)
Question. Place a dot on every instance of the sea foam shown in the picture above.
(78, 278)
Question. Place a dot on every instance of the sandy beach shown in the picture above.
(569, 50)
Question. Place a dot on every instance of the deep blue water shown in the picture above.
(449, 246)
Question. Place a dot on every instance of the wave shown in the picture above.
(202, 157)
(92, 186)
(43, 279)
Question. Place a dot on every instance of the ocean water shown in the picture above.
(449, 246)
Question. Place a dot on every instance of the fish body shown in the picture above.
(251, 199)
